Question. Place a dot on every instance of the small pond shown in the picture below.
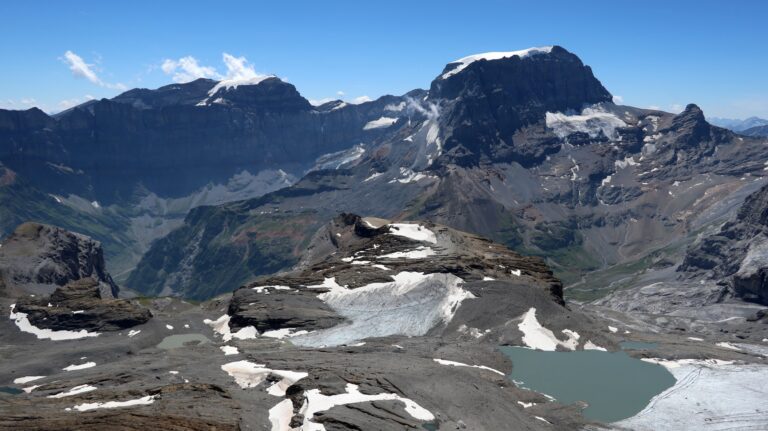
(182, 340)
(10, 390)
(614, 385)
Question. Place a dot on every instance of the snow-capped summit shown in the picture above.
(462, 63)
(227, 84)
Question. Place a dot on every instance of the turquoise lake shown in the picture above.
(614, 385)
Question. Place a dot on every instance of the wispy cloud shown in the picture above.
(361, 99)
(189, 68)
(81, 69)
(618, 100)
(24, 103)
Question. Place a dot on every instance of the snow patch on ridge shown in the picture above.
(538, 337)
(462, 63)
(380, 123)
(413, 231)
(24, 325)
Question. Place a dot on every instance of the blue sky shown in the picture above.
(651, 53)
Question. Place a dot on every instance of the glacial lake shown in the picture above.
(182, 340)
(614, 385)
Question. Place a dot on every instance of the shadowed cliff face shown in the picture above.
(178, 138)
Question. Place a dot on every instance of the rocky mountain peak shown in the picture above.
(495, 95)
(39, 254)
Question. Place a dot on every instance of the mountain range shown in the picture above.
(347, 251)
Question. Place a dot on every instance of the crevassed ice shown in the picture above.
(591, 121)
(411, 305)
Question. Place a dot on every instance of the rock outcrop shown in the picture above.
(736, 256)
(39, 254)
(79, 305)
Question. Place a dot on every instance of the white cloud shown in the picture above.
(81, 69)
(618, 100)
(238, 68)
(340, 93)
(187, 69)
(361, 99)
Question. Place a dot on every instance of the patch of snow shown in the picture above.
(526, 405)
(221, 327)
(29, 389)
(459, 364)
(143, 401)
(727, 346)
(229, 350)
(413, 231)
(283, 333)
(132, 333)
(230, 84)
(315, 402)
(95, 204)
(338, 159)
(24, 325)
(613, 329)
(695, 339)
(380, 123)
(79, 366)
(516, 272)
(486, 278)
(462, 63)
(628, 161)
(538, 337)
(373, 176)
(169, 327)
(409, 176)
(280, 416)
(249, 375)
(589, 345)
(417, 253)
(74, 391)
(27, 379)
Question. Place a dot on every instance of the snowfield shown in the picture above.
(709, 394)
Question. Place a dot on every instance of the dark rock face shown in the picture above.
(486, 103)
(43, 254)
(737, 255)
(178, 138)
(79, 305)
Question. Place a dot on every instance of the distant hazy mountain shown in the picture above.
(738, 125)
(756, 131)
